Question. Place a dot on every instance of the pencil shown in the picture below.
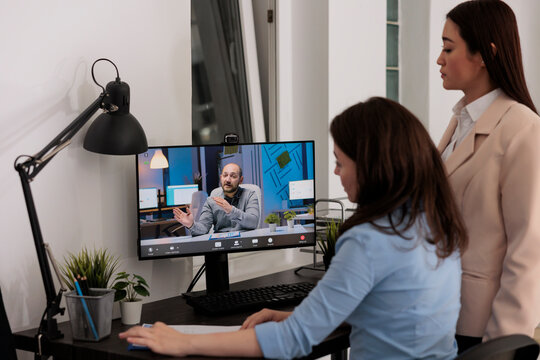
(85, 307)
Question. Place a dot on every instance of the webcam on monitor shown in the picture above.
(230, 138)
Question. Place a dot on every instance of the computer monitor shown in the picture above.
(279, 175)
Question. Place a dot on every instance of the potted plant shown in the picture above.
(272, 220)
(97, 266)
(128, 289)
(92, 270)
(290, 215)
(197, 179)
(327, 242)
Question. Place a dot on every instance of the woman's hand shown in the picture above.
(160, 338)
(163, 339)
(263, 316)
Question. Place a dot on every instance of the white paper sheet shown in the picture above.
(203, 329)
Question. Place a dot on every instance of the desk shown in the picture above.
(173, 311)
(154, 229)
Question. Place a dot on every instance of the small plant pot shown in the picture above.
(272, 227)
(131, 312)
(290, 223)
(90, 316)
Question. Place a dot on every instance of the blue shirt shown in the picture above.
(401, 301)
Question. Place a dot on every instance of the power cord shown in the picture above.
(196, 277)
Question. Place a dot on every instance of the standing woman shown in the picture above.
(491, 150)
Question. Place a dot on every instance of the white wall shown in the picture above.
(302, 46)
(414, 32)
(529, 27)
(84, 198)
(331, 54)
(357, 63)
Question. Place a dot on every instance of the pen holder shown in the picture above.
(90, 316)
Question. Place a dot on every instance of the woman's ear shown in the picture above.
(493, 49)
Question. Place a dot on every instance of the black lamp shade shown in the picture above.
(116, 135)
(116, 132)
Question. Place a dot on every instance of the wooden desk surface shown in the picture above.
(172, 311)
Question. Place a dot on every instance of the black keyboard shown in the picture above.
(250, 299)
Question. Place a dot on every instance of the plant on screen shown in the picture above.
(272, 218)
(289, 214)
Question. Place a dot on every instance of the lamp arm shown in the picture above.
(34, 164)
(27, 171)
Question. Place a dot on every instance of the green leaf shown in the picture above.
(272, 218)
(120, 285)
(327, 242)
(132, 285)
(97, 265)
(141, 290)
(119, 295)
(141, 280)
(121, 275)
(289, 214)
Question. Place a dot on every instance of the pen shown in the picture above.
(85, 307)
(84, 286)
(85, 323)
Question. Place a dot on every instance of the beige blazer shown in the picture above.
(495, 176)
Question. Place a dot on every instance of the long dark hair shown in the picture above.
(398, 168)
(483, 22)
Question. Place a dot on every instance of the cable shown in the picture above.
(40, 328)
(94, 78)
(196, 277)
(29, 157)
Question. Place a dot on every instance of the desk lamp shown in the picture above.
(114, 132)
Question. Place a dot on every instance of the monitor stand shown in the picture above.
(217, 272)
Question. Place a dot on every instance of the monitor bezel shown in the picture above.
(225, 251)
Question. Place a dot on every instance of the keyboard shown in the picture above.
(250, 299)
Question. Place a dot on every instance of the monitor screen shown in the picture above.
(148, 198)
(227, 191)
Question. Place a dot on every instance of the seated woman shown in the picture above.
(396, 274)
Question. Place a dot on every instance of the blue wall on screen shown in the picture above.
(181, 167)
(283, 163)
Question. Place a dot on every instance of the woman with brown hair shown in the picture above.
(491, 150)
(395, 277)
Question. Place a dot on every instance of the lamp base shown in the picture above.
(49, 329)
(49, 326)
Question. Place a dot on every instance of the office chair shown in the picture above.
(252, 187)
(508, 347)
(7, 348)
(197, 201)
